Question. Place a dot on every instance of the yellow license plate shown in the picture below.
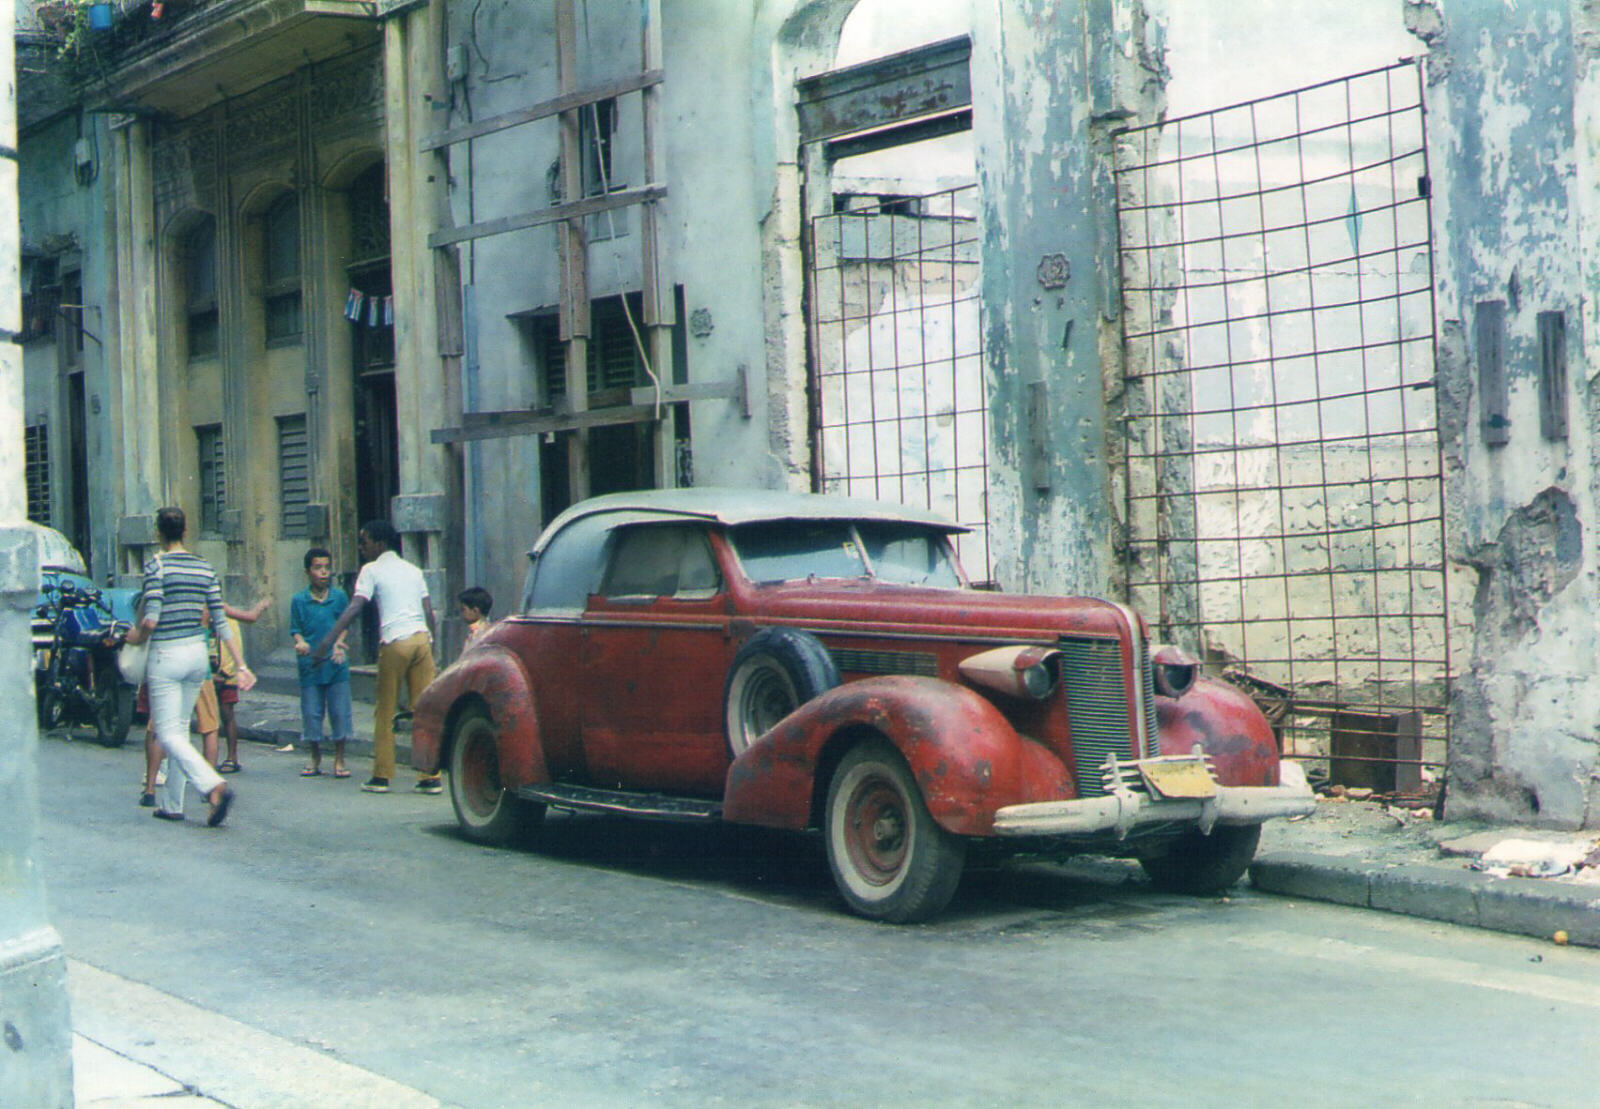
(1189, 778)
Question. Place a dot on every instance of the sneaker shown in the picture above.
(430, 785)
(376, 785)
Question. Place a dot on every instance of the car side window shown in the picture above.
(661, 560)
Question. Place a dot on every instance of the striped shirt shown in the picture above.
(178, 587)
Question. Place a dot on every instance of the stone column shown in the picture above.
(35, 1026)
(1049, 83)
(137, 364)
(411, 71)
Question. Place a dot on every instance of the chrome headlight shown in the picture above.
(1020, 671)
(1175, 670)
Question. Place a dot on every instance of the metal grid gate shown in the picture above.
(1284, 484)
(898, 405)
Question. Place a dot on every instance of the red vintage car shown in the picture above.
(812, 662)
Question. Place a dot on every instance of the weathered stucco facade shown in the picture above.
(35, 1026)
(1512, 91)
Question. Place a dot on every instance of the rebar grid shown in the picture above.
(1284, 492)
(899, 409)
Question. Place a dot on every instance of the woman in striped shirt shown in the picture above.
(178, 587)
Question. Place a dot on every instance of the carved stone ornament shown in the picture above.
(700, 323)
(1054, 271)
(266, 126)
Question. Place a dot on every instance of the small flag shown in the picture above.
(388, 311)
(352, 306)
(373, 311)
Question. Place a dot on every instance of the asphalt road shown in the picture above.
(649, 964)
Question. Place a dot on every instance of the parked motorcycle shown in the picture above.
(75, 676)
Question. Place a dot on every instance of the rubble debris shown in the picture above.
(1528, 858)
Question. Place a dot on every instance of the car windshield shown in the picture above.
(790, 550)
(908, 555)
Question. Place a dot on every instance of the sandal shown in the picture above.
(228, 766)
(219, 810)
(341, 772)
(311, 772)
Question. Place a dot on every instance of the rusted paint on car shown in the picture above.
(963, 752)
(1226, 723)
(495, 677)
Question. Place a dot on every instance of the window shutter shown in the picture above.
(294, 475)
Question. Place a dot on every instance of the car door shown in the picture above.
(655, 654)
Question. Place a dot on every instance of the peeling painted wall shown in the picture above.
(1050, 81)
(1514, 152)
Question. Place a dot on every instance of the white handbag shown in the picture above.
(132, 659)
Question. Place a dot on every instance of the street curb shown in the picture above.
(1525, 906)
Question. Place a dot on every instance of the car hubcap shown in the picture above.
(877, 831)
(768, 699)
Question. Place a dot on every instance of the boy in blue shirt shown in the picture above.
(324, 685)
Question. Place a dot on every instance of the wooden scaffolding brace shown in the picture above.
(647, 403)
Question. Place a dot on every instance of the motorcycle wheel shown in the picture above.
(113, 708)
(52, 710)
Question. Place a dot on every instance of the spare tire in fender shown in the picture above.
(775, 672)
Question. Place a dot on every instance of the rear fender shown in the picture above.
(1227, 725)
(494, 678)
(963, 752)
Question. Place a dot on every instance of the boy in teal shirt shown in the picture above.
(325, 685)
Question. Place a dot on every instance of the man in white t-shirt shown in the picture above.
(405, 640)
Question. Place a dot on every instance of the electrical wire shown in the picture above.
(611, 222)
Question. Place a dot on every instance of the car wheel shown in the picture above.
(889, 858)
(1205, 864)
(775, 672)
(486, 812)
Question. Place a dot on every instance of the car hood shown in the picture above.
(979, 612)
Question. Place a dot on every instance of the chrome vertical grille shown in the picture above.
(1152, 731)
(1097, 706)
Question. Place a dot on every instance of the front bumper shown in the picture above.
(1131, 805)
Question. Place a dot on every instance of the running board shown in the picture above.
(655, 806)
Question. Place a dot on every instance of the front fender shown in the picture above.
(1227, 725)
(963, 752)
(494, 677)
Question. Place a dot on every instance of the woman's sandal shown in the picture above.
(219, 809)
(341, 772)
(228, 766)
(311, 772)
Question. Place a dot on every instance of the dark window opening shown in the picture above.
(41, 299)
(213, 483)
(200, 288)
(281, 269)
(36, 470)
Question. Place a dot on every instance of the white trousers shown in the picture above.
(176, 669)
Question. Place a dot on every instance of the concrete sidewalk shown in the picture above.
(1376, 856)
